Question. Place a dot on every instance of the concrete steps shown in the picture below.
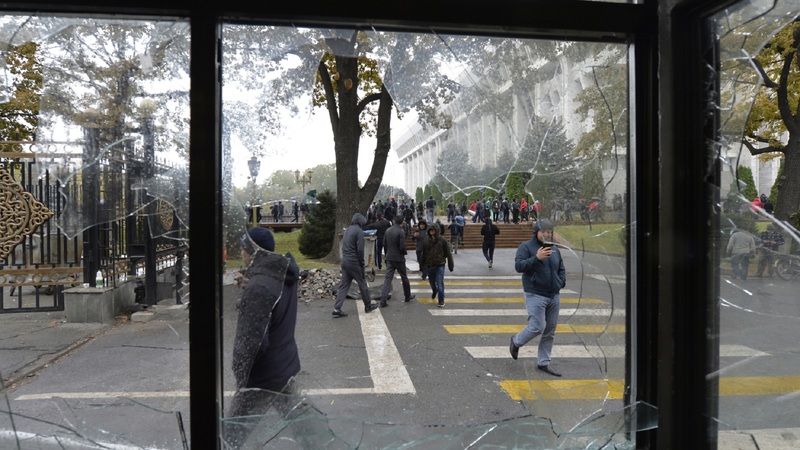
(510, 236)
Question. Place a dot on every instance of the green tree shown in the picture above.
(775, 113)
(319, 230)
(419, 194)
(592, 184)
(773, 192)
(746, 182)
(99, 79)
(19, 116)
(355, 82)
(515, 186)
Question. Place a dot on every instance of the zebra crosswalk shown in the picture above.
(590, 328)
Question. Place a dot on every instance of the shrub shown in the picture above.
(319, 230)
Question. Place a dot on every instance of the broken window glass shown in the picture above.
(758, 237)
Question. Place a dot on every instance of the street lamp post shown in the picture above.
(254, 165)
(304, 180)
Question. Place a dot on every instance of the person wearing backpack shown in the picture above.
(489, 231)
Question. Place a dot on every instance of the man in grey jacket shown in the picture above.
(395, 243)
(353, 266)
(741, 246)
(543, 277)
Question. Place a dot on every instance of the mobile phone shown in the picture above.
(547, 244)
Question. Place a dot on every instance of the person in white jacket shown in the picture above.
(741, 246)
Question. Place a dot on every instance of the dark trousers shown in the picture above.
(400, 267)
(740, 264)
(378, 251)
(351, 272)
(252, 409)
(488, 250)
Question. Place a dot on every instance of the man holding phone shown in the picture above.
(543, 277)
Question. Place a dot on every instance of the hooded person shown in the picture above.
(353, 266)
(489, 231)
(420, 237)
(543, 276)
(435, 253)
(265, 359)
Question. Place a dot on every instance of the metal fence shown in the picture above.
(122, 232)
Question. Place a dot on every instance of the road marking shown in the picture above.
(613, 389)
(108, 395)
(386, 368)
(449, 290)
(506, 329)
(615, 279)
(596, 352)
(479, 278)
(471, 283)
(593, 312)
(568, 300)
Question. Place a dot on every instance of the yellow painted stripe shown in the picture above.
(505, 329)
(563, 389)
(571, 301)
(729, 386)
(471, 283)
(613, 389)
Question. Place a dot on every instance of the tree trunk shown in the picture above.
(788, 203)
(346, 127)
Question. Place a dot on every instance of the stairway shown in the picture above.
(510, 236)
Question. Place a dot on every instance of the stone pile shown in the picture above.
(316, 284)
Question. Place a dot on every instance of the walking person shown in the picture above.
(435, 253)
(380, 225)
(741, 246)
(770, 241)
(430, 207)
(543, 277)
(353, 266)
(395, 242)
(420, 237)
(265, 356)
(295, 211)
(489, 231)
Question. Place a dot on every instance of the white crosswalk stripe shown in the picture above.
(581, 351)
(591, 312)
(482, 290)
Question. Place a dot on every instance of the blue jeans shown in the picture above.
(542, 319)
(436, 279)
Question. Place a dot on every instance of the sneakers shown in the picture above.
(339, 313)
(490, 264)
(548, 370)
(413, 296)
(435, 293)
(513, 349)
(441, 304)
(384, 304)
(371, 307)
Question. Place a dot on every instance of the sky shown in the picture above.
(308, 142)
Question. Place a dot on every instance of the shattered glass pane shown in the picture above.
(758, 235)
(473, 119)
(95, 127)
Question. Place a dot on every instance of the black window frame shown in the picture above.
(674, 284)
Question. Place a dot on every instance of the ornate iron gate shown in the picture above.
(122, 232)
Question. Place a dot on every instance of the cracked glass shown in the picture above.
(467, 119)
(530, 129)
(757, 241)
(94, 170)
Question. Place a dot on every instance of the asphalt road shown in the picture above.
(425, 376)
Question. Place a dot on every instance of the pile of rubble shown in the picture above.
(318, 284)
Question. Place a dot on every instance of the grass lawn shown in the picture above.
(602, 238)
(287, 243)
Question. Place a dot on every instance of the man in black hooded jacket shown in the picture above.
(265, 357)
(353, 266)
